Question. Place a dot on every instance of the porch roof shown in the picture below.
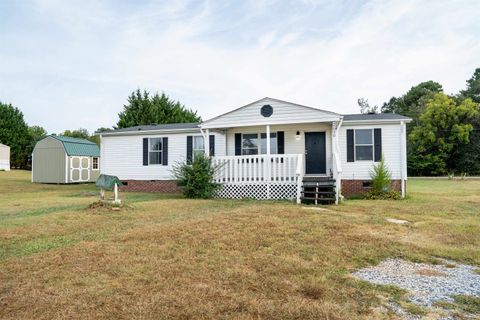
(270, 111)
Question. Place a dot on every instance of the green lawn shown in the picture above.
(169, 257)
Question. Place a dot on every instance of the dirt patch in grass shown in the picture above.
(430, 272)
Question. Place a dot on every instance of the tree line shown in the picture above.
(142, 108)
(443, 137)
(444, 134)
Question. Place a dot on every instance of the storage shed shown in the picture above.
(4, 157)
(59, 159)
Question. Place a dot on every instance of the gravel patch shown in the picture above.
(426, 283)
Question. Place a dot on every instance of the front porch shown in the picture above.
(291, 161)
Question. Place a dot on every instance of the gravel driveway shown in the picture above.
(426, 283)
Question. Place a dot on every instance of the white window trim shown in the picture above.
(259, 146)
(158, 151)
(363, 145)
(93, 163)
(193, 146)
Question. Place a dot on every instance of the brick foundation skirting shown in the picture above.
(358, 187)
(168, 186)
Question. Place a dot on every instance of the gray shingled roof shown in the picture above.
(170, 126)
(180, 126)
(374, 116)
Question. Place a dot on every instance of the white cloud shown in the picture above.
(74, 63)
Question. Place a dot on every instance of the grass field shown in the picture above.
(168, 257)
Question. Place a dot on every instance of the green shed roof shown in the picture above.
(79, 147)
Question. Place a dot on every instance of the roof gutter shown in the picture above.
(146, 132)
(373, 121)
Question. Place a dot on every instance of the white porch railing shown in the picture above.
(265, 171)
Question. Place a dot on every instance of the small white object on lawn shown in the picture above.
(397, 221)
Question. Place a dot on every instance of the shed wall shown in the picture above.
(4, 157)
(48, 164)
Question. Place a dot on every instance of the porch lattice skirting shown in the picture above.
(260, 177)
(258, 191)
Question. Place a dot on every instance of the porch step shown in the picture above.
(318, 199)
(318, 190)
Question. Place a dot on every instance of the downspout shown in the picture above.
(403, 157)
(100, 161)
(338, 165)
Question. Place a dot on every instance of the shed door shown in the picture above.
(79, 169)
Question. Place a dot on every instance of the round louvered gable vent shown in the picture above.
(266, 110)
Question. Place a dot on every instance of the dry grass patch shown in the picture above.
(179, 258)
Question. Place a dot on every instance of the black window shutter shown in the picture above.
(211, 143)
(145, 151)
(238, 144)
(377, 141)
(189, 149)
(350, 146)
(165, 152)
(280, 142)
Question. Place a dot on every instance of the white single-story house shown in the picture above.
(268, 149)
(4, 157)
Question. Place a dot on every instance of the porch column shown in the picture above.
(268, 140)
(269, 162)
(206, 142)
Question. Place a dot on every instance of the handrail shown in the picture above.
(281, 168)
(299, 174)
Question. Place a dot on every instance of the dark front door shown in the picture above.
(315, 153)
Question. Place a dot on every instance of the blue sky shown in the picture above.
(70, 64)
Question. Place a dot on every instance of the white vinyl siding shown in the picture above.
(391, 150)
(122, 156)
(283, 113)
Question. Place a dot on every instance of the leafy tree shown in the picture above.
(79, 133)
(473, 87)
(413, 103)
(365, 106)
(466, 158)
(37, 133)
(103, 129)
(14, 133)
(443, 127)
(143, 109)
